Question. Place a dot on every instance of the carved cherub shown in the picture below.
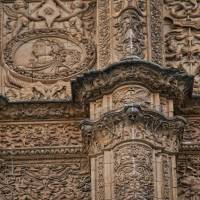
(19, 14)
(73, 21)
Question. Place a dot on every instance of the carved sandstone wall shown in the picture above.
(85, 114)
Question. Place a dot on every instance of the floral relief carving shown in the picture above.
(182, 36)
(61, 181)
(104, 38)
(156, 8)
(129, 28)
(133, 172)
(188, 176)
(40, 135)
(166, 165)
(99, 178)
(40, 111)
(191, 133)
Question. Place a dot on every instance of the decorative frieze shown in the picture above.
(58, 180)
(30, 135)
(129, 28)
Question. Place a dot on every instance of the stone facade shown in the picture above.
(99, 100)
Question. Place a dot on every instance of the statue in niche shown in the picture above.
(50, 56)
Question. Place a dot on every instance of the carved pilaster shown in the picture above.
(156, 24)
(104, 33)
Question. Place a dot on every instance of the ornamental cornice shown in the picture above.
(44, 151)
(171, 83)
(152, 120)
(132, 123)
(41, 110)
(190, 147)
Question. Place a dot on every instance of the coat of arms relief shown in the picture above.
(45, 44)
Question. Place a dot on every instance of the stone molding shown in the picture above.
(149, 126)
(32, 153)
(168, 82)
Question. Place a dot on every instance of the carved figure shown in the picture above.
(18, 13)
(50, 56)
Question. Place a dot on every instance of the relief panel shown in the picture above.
(46, 43)
(133, 172)
(188, 176)
(99, 185)
(182, 36)
(131, 94)
(66, 180)
(156, 30)
(104, 33)
(129, 28)
(192, 130)
(31, 135)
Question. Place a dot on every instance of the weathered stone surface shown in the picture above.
(85, 114)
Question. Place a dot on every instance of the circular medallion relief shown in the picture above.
(44, 55)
